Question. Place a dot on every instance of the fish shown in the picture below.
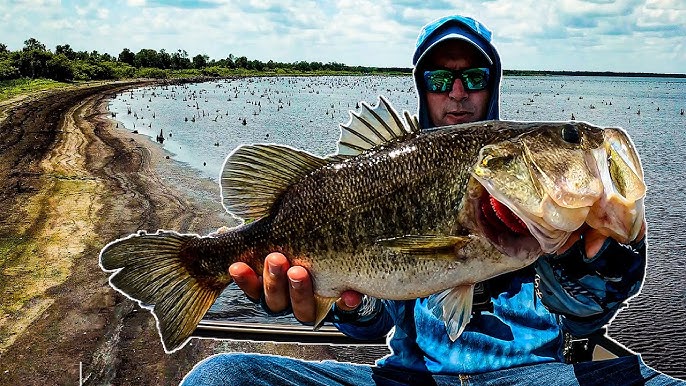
(395, 213)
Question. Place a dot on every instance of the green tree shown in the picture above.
(242, 62)
(164, 59)
(33, 63)
(179, 60)
(95, 56)
(7, 69)
(65, 50)
(200, 61)
(230, 61)
(59, 67)
(33, 44)
(82, 55)
(302, 66)
(316, 66)
(126, 56)
(146, 58)
(256, 65)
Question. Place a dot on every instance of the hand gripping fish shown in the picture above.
(397, 213)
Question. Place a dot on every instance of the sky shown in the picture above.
(577, 35)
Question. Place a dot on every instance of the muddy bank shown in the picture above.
(69, 183)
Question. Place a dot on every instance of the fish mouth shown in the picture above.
(508, 232)
(510, 229)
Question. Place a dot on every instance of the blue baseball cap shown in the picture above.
(453, 27)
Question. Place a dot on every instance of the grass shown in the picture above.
(15, 87)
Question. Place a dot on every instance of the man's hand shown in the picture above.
(590, 277)
(284, 285)
(593, 240)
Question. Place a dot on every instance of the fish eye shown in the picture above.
(570, 134)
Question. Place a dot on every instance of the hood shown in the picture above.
(463, 28)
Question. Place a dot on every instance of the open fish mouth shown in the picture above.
(515, 232)
(484, 214)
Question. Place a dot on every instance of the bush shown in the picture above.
(87, 70)
(149, 72)
(8, 70)
(216, 71)
(120, 70)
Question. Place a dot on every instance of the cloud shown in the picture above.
(184, 4)
(622, 35)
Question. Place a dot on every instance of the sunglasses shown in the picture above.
(473, 79)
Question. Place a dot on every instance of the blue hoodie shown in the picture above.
(520, 330)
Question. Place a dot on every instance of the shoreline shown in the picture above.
(72, 182)
(90, 185)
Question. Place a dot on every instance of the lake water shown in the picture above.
(202, 123)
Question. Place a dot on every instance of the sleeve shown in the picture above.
(588, 292)
(370, 320)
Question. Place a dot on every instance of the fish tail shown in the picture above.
(161, 272)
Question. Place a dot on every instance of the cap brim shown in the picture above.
(455, 36)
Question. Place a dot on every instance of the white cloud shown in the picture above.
(34, 3)
(103, 13)
(622, 35)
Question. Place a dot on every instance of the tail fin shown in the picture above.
(149, 268)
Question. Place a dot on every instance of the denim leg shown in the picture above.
(254, 370)
(554, 373)
(623, 371)
(629, 370)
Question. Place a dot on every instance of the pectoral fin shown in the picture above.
(323, 305)
(454, 307)
(426, 245)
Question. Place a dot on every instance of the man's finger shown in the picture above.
(573, 238)
(643, 230)
(275, 282)
(593, 241)
(349, 300)
(301, 294)
(246, 279)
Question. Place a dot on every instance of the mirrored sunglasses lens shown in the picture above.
(475, 78)
(438, 80)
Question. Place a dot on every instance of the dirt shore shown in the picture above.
(70, 182)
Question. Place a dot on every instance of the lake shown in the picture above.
(203, 122)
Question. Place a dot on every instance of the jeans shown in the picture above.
(255, 370)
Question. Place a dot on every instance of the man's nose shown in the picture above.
(458, 92)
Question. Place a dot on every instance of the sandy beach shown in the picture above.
(71, 182)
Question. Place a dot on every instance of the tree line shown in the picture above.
(34, 60)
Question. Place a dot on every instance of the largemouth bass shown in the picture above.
(398, 213)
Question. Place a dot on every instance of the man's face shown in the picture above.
(458, 105)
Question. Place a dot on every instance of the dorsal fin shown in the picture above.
(254, 177)
(373, 127)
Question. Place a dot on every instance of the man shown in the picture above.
(520, 339)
